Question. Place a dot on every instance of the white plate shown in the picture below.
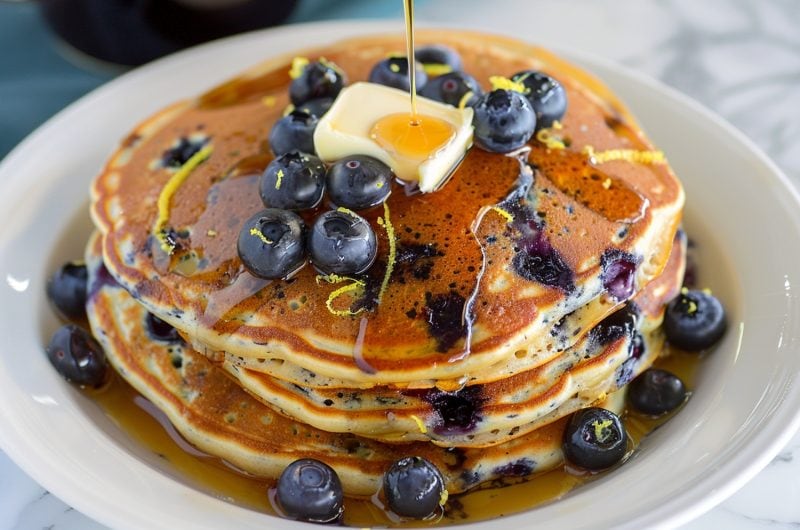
(741, 211)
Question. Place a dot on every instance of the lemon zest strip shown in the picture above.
(443, 497)
(629, 155)
(169, 189)
(549, 140)
(435, 69)
(298, 65)
(256, 232)
(334, 279)
(504, 213)
(503, 83)
(386, 223)
(279, 174)
(462, 103)
(420, 424)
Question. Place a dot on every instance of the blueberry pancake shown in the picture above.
(212, 412)
(467, 282)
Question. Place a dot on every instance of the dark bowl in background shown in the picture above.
(133, 32)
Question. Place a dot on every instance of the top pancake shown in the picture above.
(586, 214)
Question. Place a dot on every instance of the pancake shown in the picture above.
(600, 221)
(487, 414)
(217, 416)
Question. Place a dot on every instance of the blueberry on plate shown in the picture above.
(310, 490)
(271, 243)
(77, 356)
(594, 439)
(451, 88)
(656, 392)
(316, 107)
(413, 488)
(393, 72)
(293, 181)
(359, 182)
(694, 320)
(438, 59)
(504, 121)
(318, 79)
(547, 96)
(342, 242)
(66, 289)
(293, 132)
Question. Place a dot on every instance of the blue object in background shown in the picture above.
(37, 80)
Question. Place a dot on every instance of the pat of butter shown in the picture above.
(346, 130)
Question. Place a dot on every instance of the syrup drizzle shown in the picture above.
(408, 8)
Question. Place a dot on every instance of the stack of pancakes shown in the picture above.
(529, 286)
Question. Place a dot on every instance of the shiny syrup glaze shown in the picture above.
(146, 425)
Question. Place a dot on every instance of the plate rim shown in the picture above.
(16, 450)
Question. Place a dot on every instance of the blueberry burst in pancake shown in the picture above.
(458, 280)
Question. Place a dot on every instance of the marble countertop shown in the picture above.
(737, 57)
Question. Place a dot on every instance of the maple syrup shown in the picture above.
(412, 136)
(149, 427)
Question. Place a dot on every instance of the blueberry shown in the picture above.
(271, 243)
(310, 490)
(342, 242)
(316, 107)
(694, 320)
(319, 79)
(359, 182)
(546, 95)
(295, 131)
(160, 330)
(451, 88)
(413, 487)
(66, 289)
(182, 151)
(438, 59)
(77, 356)
(293, 181)
(656, 392)
(594, 439)
(504, 121)
(393, 72)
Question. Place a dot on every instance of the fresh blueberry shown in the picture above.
(451, 88)
(504, 121)
(77, 356)
(359, 182)
(595, 439)
(656, 392)
(694, 320)
(393, 72)
(293, 181)
(316, 107)
(438, 59)
(66, 289)
(310, 490)
(319, 79)
(342, 242)
(271, 243)
(295, 131)
(546, 95)
(413, 487)
(160, 330)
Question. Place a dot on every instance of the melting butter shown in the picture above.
(348, 129)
